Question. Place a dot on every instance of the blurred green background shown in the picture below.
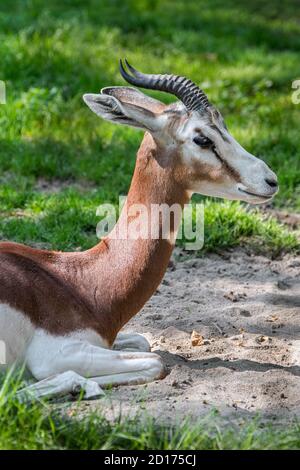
(58, 161)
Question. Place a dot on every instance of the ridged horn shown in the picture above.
(187, 91)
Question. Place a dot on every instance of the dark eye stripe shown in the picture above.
(214, 150)
(215, 128)
(231, 170)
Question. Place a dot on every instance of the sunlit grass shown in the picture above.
(244, 54)
(44, 426)
(67, 219)
(51, 55)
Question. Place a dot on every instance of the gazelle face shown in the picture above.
(212, 162)
(203, 156)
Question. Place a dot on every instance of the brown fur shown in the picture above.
(104, 287)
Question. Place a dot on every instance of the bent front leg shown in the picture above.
(59, 385)
(131, 342)
(101, 365)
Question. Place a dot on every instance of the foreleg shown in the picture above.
(101, 365)
(131, 342)
(61, 384)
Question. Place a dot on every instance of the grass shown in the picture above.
(42, 427)
(245, 55)
(58, 162)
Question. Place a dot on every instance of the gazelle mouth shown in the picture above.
(261, 196)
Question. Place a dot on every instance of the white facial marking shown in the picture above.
(235, 173)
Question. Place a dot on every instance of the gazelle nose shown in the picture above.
(272, 183)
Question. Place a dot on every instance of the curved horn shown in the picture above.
(187, 91)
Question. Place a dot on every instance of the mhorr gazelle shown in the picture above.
(61, 313)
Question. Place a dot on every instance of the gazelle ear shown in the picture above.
(131, 108)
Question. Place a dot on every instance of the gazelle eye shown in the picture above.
(202, 141)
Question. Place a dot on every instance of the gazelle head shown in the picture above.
(204, 156)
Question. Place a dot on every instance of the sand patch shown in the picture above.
(246, 311)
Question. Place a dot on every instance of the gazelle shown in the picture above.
(61, 313)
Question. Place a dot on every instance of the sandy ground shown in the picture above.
(244, 310)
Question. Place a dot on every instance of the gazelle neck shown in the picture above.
(152, 184)
(135, 267)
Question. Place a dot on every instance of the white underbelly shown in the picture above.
(16, 332)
